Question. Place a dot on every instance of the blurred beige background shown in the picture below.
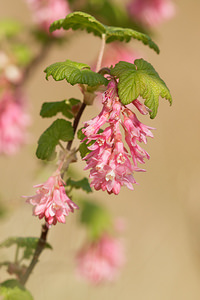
(162, 213)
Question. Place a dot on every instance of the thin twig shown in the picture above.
(38, 250)
(101, 52)
(42, 240)
(76, 121)
(16, 254)
(43, 237)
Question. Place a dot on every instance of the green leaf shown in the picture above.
(22, 53)
(13, 290)
(126, 34)
(23, 242)
(42, 36)
(5, 263)
(140, 79)
(28, 243)
(9, 28)
(50, 109)
(80, 134)
(59, 130)
(79, 20)
(80, 184)
(74, 73)
(84, 21)
(95, 217)
(83, 147)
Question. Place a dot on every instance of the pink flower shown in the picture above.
(51, 201)
(9, 72)
(151, 12)
(47, 11)
(116, 52)
(13, 122)
(109, 160)
(101, 260)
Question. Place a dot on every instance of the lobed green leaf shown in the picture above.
(140, 79)
(50, 109)
(23, 242)
(12, 290)
(59, 130)
(79, 20)
(74, 73)
(126, 34)
(80, 184)
(83, 21)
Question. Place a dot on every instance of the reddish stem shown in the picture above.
(38, 250)
(43, 237)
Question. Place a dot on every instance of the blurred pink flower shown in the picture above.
(151, 12)
(116, 52)
(51, 201)
(100, 261)
(109, 160)
(13, 122)
(9, 72)
(46, 12)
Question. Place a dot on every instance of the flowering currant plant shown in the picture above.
(110, 143)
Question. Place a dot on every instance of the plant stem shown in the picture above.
(38, 250)
(61, 146)
(43, 237)
(98, 66)
(76, 121)
(16, 254)
(45, 229)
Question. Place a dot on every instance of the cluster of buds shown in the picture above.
(109, 160)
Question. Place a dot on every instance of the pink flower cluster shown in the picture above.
(47, 11)
(13, 122)
(51, 201)
(151, 12)
(101, 260)
(109, 160)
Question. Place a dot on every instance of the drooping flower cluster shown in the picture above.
(13, 122)
(101, 260)
(51, 201)
(47, 11)
(109, 160)
(151, 12)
